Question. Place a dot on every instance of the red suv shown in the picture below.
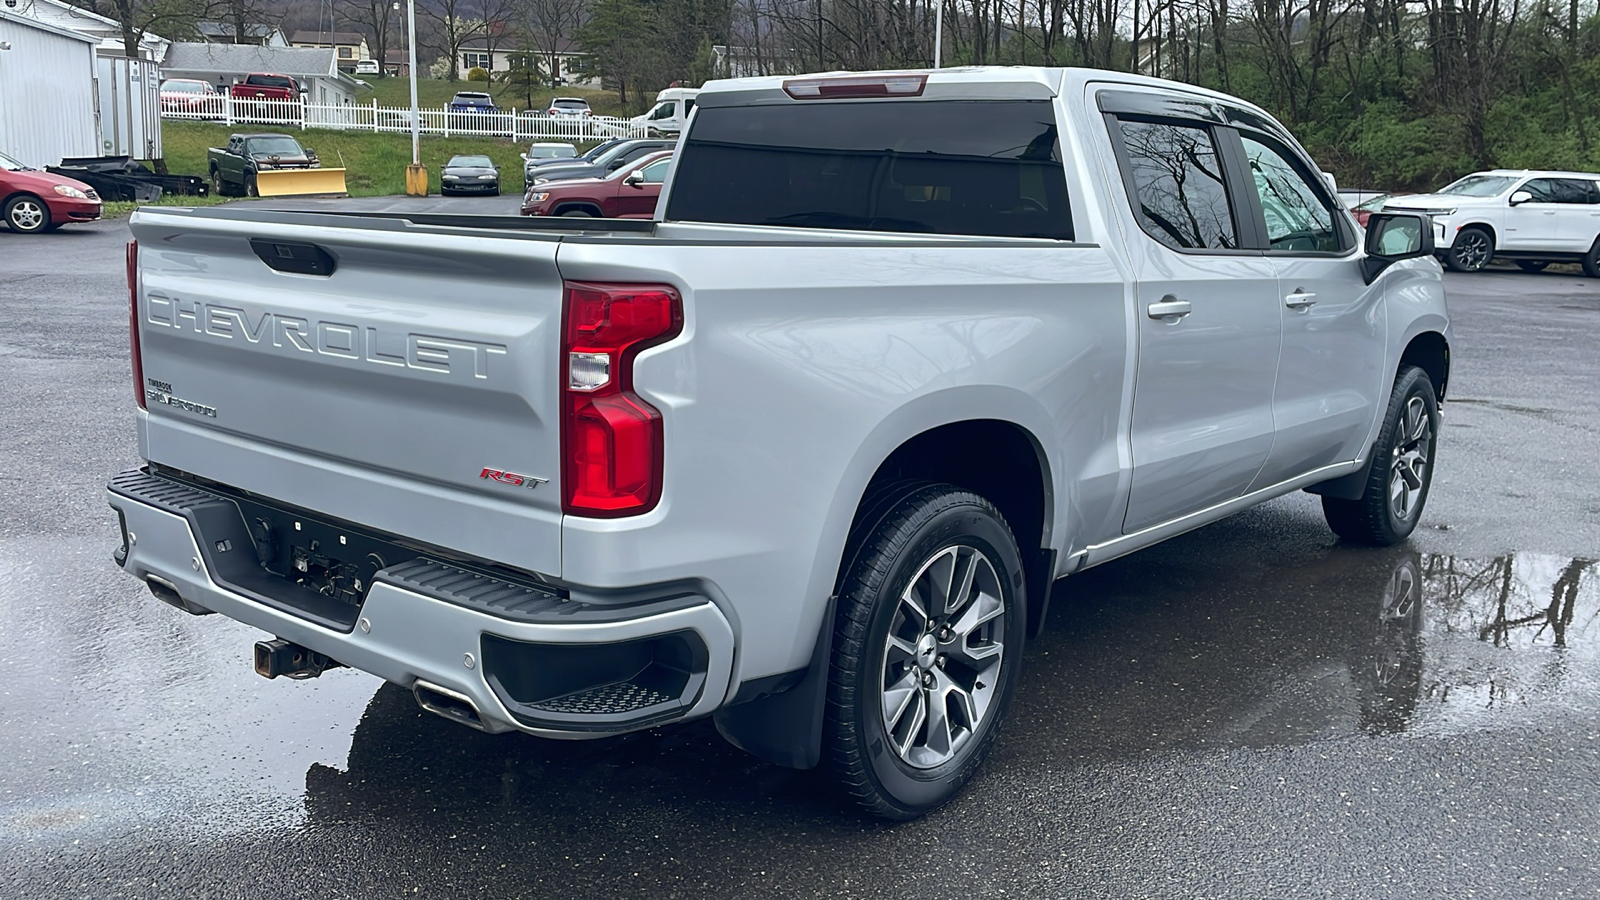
(32, 201)
(628, 193)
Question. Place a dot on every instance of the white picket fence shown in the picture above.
(512, 124)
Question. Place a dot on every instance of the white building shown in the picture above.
(47, 92)
(494, 57)
(227, 64)
(106, 32)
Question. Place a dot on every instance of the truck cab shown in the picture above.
(670, 112)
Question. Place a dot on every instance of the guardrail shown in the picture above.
(511, 124)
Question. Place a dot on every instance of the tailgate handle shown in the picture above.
(298, 257)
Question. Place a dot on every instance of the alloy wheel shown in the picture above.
(1409, 469)
(27, 215)
(942, 658)
(1472, 250)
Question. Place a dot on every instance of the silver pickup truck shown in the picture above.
(807, 452)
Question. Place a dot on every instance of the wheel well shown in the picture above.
(999, 461)
(1481, 226)
(590, 207)
(1429, 352)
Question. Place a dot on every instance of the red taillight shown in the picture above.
(611, 440)
(133, 323)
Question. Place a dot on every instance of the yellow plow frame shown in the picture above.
(301, 183)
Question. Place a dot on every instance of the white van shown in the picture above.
(670, 113)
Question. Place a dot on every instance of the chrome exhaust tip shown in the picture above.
(454, 706)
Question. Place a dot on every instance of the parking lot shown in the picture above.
(1251, 710)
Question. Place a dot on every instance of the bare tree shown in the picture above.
(549, 27)
(374, 17)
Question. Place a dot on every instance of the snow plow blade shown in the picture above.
(301, 183)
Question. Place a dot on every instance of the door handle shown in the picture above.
(1300, 299)
(1170, 308)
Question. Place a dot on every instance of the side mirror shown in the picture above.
(1520, 197)
(1392, 237)
(1333, 183)
(524, 156)
(616, 164)
(634, 179)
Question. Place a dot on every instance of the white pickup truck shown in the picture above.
(804, 454)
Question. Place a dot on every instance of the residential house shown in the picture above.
(106, 32)
(254, 33)
(47, 91)
(494, 56)
(351, 46)
(224, 65)
(397, 63)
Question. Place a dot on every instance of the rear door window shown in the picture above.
(1175, 181)
(989, 167)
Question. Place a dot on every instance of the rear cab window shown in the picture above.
(896, 166)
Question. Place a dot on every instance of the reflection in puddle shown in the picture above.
(1507, 634)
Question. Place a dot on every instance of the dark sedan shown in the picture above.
(469, 175)
(610, 160)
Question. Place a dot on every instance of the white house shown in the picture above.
(106, 32)
(494, 57)
(227, 64)
(47, 92)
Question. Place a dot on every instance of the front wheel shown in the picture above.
(927, 648)
(27, 214)
(1399, 471)
(1591, 260)
(1473, 249)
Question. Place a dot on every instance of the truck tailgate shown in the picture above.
(385, 393)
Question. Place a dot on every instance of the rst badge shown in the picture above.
(528, 481)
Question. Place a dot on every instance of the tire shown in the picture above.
(1533, 265)
(250, 189)
(578, 214)
(1473, 249)
(1399, 472)
(923, 542)
(27, 214)
(1591, 260)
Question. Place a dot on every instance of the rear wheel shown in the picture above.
(27, 214)
(1473, 249)
(1591, 260)
(1399, 472)
(1533, 265)
(927, 648)
(218, 189)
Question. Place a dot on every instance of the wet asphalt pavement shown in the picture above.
(1251, 710)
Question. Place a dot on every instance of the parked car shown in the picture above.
(607, 161)
(543, 153)
(367, 67)
(266, 86)
(809, 454)
(189, 95)
(1370, 206)
(233, 168)
(569, 108)
(1355, 197)
(469, 175)
(32, 201)
(1532, 218)
(628, 193)
(472, 101)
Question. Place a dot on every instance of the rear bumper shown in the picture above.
(554, 668)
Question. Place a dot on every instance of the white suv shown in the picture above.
(1530, 218)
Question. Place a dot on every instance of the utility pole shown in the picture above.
(938, 34)
(416, 173)
(819, 35)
